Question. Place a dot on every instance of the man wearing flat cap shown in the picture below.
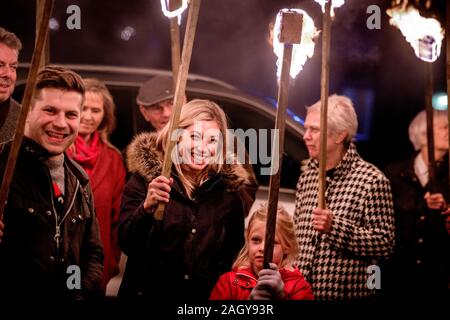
(155, 100)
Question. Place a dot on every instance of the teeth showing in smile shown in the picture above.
(56, 135)
(199, 157)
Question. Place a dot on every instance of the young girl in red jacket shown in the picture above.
(248, 279)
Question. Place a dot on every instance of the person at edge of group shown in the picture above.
(155, 101)
(421, 259)
(206, 201)
(248, 278)
(10, 46)
(104, 166)
(339, 245)
(51, 249)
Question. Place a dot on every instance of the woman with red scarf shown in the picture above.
(103, 163)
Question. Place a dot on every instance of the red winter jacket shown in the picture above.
(238, 284)
(108, 180)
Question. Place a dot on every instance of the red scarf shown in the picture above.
(86, 154)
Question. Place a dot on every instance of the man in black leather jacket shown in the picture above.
(50, 249)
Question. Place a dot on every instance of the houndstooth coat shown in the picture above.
(359, 196)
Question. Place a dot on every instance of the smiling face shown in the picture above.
(8, 66)
(54, 119)
(198, 146)
(92, 114)
(255, 243)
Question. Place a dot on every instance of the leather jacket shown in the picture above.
(39, 243)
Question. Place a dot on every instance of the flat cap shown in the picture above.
(154, 90)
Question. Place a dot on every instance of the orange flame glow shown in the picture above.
(300, 52)
(424, 34)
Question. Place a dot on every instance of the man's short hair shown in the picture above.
(10, 39)
(155, 90)
(59, 78)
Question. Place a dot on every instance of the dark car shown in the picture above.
(248, 113)
(251, 118)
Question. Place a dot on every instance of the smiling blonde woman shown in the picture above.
(206, 200)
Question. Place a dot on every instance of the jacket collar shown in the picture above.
(409, 174)
(34, 150)
(350, 156)
(145, 159)
(245, 278)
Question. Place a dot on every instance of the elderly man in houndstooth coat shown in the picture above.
(338, 244)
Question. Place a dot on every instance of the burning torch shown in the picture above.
(328, 11)
(425, 36)
(293, 42)
(173, 10)
(180, 89)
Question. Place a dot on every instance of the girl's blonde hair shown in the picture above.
(284, 230)
(193, 111)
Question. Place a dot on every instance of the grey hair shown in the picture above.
(10, 40)
(341, 116)
(418, 128)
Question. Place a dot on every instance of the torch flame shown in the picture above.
(334, 4)
(176, 13)
(424, 34)
(300, 52)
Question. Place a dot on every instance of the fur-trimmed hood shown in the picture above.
(144, 159)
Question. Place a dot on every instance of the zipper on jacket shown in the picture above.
(57, 236)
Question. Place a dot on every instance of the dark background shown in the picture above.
(376, 68)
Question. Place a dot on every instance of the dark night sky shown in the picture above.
(231, 45)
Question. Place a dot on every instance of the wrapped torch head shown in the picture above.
(427, 48)
(290, 28)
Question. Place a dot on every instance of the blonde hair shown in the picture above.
(284, 230)
(418, 127)
(341, 116)
(108, 123)
(193, 111)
